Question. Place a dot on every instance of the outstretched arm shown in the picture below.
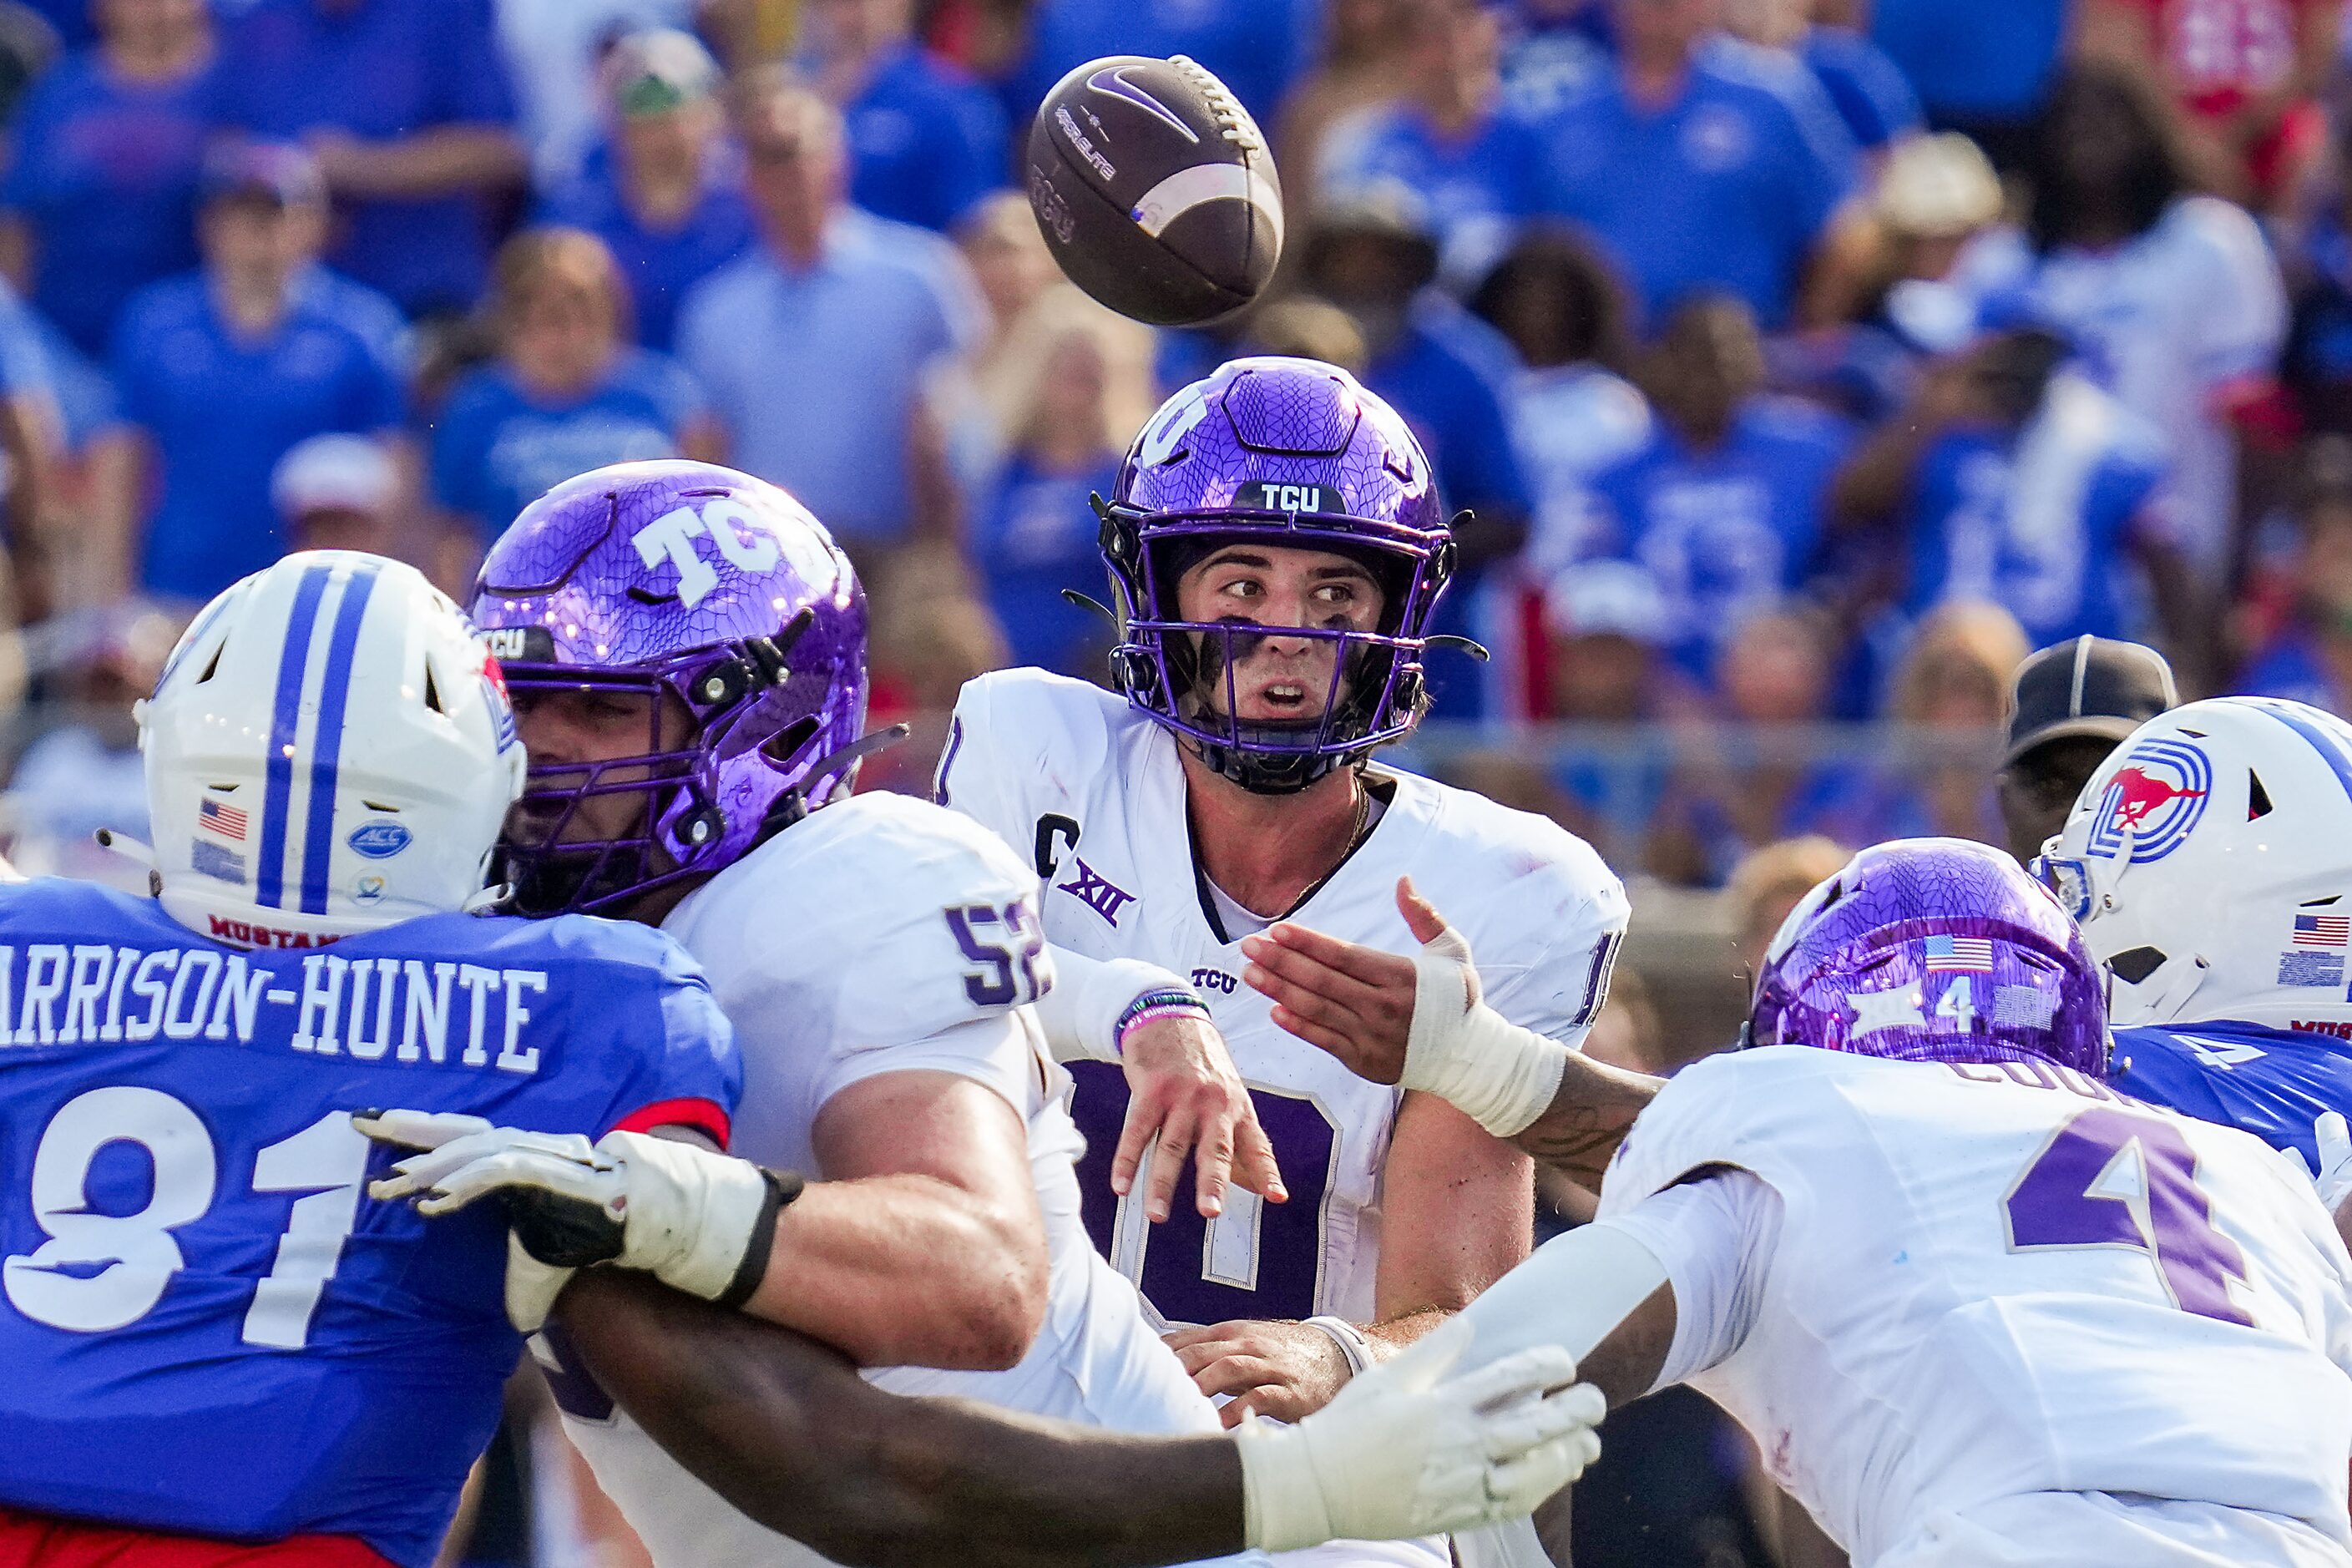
(787, 1432)
(1395, 1019)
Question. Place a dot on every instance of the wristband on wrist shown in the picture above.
(782, 1186)
(1151, 1004)
(1349, 1338)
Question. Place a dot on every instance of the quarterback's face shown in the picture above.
(1276, 678)
(564, 734)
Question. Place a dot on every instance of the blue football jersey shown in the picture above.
(208, 1327)
(2273, 1083)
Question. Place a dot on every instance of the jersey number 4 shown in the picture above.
(103, 1271)
(2112, 1178)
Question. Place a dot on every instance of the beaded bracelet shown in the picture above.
(1154, 1005)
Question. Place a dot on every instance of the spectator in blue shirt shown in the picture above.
(813, 346)
(2306, 656)
(1077, 389)
(1701, 167)
(1725, 503)
(1445, 136)
(666, 198)
(2010, 480)
(1866, 88)
(407, 108)
(568, 391)
(222, 371)
(1257, 48)
(926, 141)
(100, 199)
(1444, 371)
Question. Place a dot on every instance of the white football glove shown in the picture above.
(1405, 1451)
(698, 1221)
(2333, 1178)
(1500, 1074)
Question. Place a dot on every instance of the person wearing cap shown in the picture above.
(1372, 252)
(222, 371)
(1446, 136)
(338, 492)
(408, 106)
(1699, 168)
(2069, 706)
(926, 139)
(567, 393)
(101, 193)
(666, 198)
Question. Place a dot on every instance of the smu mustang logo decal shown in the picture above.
(2152, 802)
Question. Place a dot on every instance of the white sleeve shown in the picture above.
(2239, 320)
(995, 1051)
(1558, 988)
(1081, 1008)
(1715, 1237)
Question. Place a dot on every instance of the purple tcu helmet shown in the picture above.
(696, 583)
(1290, 452)
(1933, 950)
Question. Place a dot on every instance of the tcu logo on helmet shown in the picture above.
(671, 537)
(2153, 801)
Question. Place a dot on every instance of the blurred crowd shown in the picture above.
(1796, 369)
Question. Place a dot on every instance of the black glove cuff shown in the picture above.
(784, 1186)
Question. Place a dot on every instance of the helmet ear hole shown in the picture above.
(2135, 964)
(212, 665)
(432, 691)
(2258, 799)
(782, 747)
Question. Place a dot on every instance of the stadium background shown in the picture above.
(1803, 364)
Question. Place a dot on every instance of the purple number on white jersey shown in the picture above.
(1200, 1271)
(2080, 1192)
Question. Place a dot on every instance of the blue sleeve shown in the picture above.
(475, 88)
(376, 396)
(1820, 162)
(1882, 82)
(692, 1065)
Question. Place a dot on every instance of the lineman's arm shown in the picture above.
(787, 1432)
(1419, 1022)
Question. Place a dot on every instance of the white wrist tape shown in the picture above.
(1080, 1013)
(1499, 1074)
(691, 1214)
(1282, 1505)
(1349, 1338)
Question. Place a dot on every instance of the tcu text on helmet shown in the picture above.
(725, 524)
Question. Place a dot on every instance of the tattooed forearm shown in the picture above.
(1587, 1119)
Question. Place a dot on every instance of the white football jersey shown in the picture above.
(1991, 1283)
(884, 935)
(1071, 775)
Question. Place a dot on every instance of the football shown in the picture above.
(1155, 190)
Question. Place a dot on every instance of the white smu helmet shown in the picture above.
(328, 751)
(2209, 862)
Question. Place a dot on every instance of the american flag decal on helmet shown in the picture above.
(1971, 953)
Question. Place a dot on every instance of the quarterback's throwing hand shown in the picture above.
(1184, 1096)
(1407, 1450)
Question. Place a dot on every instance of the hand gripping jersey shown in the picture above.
(2274, 1083)
(1069, 774)
(879, 936)
(208, 1327)
(1991, 1282)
